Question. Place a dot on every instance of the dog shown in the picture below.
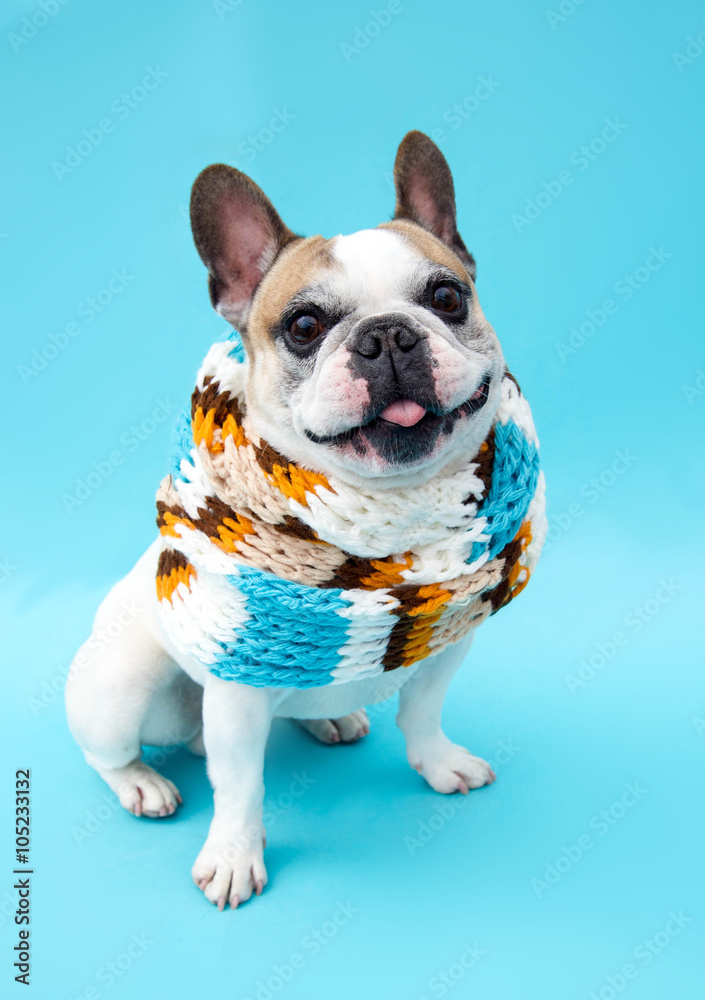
(358, 435)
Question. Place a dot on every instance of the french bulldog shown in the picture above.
(369, 359)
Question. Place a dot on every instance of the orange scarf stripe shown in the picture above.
(295, 483)
(202, 426)
(168, 582)
(388, 574)
(231, 428)
(437, 596)
(232, 532)
(171, 520)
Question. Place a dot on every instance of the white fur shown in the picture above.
(376, 267)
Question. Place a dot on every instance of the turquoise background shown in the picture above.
(635, 386)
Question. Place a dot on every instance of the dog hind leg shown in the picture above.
(124, 690)
(346, 729)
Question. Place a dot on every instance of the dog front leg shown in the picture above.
(236, 723)
(446, 766)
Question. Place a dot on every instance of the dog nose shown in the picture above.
(371, 342)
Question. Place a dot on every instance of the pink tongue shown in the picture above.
(404, 412)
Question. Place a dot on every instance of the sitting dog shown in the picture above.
(354, 489)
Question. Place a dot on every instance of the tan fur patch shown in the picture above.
(299, 264)
(428, 246)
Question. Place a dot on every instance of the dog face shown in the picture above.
(368, 355)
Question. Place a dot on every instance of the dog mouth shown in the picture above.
(408, 413)
(406, 419)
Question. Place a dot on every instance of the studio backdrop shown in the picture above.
(574, 134)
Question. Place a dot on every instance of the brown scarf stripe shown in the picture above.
(277, 548)
(168, 514)
(210, 522)
(409, 597)
(171, 559)
(211, 398)
(415, 634)
(298, 529)
(394, 655)
(215, 415)
(360, 573)
(512, 552)
(269, 458)
(222, 404)
(173, 568)
(485, 464)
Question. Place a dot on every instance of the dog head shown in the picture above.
(368, 355)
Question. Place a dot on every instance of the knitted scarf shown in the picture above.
(277, 576)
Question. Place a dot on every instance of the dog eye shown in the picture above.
(446, 299)
(304, 328)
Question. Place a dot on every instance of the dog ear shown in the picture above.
(238, 234)
(425, 193)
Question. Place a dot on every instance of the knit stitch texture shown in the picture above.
(277, 576)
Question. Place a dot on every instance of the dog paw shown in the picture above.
(448, 767)
(347, 729)
(230, 869)
(142, 790)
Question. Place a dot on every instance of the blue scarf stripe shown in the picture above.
(237, 351)
(514, 474)
(182, 443)
(294, 632)
(182, 439)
